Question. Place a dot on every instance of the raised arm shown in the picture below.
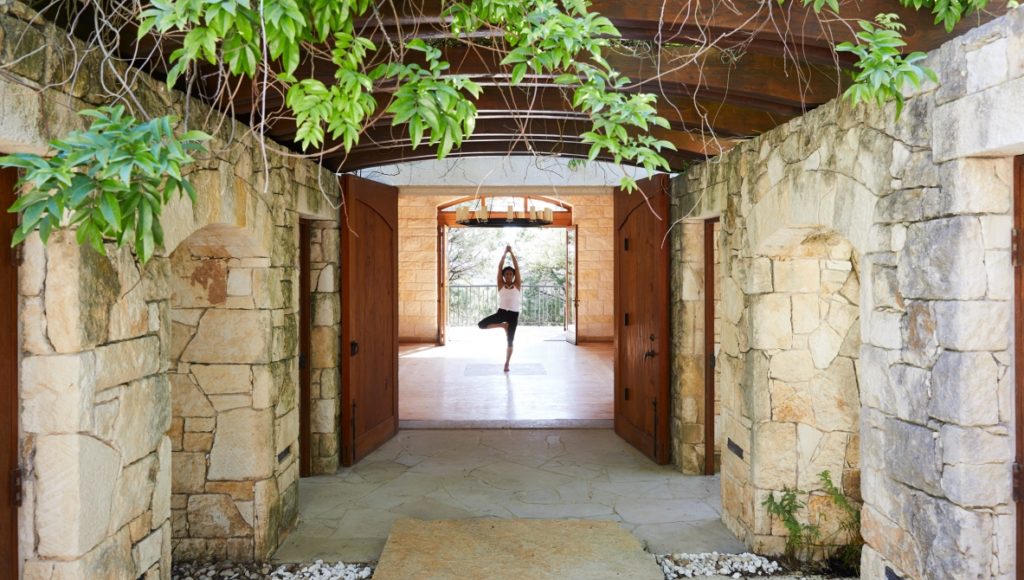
(501, 265)
(515, 264)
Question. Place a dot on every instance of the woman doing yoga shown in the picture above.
(510, 301)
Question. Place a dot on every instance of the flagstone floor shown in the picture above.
(505, 473)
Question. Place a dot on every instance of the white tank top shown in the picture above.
(510, 299)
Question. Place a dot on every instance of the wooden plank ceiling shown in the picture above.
(771, 63)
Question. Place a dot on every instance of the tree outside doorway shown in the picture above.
(472, 263)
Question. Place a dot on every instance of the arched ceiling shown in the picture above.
(769, 64)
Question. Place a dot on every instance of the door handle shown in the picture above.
(353, 348)
(649, 354)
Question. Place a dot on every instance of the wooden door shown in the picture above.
(305, 351)
(10, 486)
(369, 321)
(571, 286)
(442, 282)
(642, 318)
(1018, 346)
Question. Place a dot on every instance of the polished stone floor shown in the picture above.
(505, 473)
(551, 384)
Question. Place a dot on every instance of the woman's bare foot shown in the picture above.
(506, 368)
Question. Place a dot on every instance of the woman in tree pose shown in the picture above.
(510, 301)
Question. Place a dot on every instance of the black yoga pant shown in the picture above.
(502, 315)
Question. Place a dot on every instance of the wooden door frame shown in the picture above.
(1018, 347)
(10, 353)
(709, 345)
(305, 349)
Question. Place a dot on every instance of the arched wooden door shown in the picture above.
(369, 320)
(642, 318)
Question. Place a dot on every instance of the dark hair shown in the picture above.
(506, 269)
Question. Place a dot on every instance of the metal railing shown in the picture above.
(543, 305)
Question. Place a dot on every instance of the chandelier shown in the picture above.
(482, 217)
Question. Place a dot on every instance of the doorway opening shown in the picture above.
(458, 380)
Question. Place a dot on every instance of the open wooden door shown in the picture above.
(642, 318)
(571, 287)
(442, 282)
(10, 481)
(369, 320)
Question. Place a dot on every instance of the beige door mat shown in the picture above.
(514, 549)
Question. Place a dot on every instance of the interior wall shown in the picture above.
(925, 202)
(417, 265)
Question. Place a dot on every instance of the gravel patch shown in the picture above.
(674, 566)
(714, 564)
(318, 570)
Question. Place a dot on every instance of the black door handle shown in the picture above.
(353, 348)
(649, 354)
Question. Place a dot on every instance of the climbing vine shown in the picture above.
(111, 181)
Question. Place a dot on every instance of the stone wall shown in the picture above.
(99, 449)
(232, 352)
(689, 359)
(325, 381)
(925, 203)
(417, 265)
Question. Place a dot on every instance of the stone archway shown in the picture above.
(791, 394)
(225, 384)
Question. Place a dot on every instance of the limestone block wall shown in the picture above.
(688, 349)
(232, 346)
(417, 265)
(97, 436)
(925, 203)
(594, 214)
(325, 381)
(802, 340)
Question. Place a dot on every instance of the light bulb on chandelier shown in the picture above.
(484, 218)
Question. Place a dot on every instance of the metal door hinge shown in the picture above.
(625, 319)
(625, 244)
(17, 482)
(1018, 482)
(302, 361)
(625, 394)
(1015, 247)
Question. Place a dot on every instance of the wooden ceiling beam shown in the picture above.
(683, 114)
(789, 28)
(756, 81)
(509, 131)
